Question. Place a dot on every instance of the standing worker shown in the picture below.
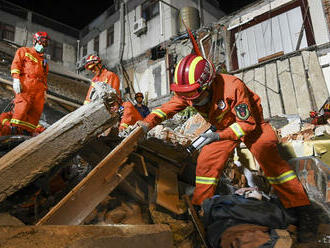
(29, 71)
(143, 109)
(101, 74)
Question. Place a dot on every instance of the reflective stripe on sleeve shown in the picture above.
(86, 102)
(237, 130)
(284, 177)
(4, 121)
(207, 180)
(15, 71)
(159, 112)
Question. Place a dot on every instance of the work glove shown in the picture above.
(144, 125)
(210, 137)
(17, 87)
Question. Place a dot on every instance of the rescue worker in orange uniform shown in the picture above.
(5, 127)
(93, 63)
(130, 116)
(236, 112)
(29, 70)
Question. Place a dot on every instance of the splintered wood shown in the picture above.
(81, 201)
(30, 159)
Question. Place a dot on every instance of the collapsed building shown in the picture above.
(104, 190)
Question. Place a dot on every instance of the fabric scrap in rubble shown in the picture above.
(222, 212)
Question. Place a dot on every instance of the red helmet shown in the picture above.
(193, 74)
(91, 61)
(41, 37)
(138, 94)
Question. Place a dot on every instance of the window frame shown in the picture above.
(112, 38)
(7, 30)
(268, 15)
(147, 8)
(55, 50)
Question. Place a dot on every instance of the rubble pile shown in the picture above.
(150, 185)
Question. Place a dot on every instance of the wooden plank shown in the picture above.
(81, 201)
(273, 92)
(272, 56)
(260, 89)
(286, 84)
(316, 78)
(87, 236)
(300, 86)
(167, 190)
(33, 157)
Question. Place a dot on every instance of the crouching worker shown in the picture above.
(236, 112)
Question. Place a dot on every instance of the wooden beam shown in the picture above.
(81, 201)
(57, 99)
(39, 154)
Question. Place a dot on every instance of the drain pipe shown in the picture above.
(122, 31)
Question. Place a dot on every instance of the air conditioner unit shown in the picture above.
(140, 26)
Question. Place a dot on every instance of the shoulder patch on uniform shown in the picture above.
(242, 111)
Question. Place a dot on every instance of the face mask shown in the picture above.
(39, 48)
(204, 100)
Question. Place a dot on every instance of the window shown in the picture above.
(110, 35)
(84, 50)
(55, 50)
(271, 35)
(7, 32)
(150, 9)
(96, 44)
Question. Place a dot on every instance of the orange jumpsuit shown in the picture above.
(5, 123)
(105, 76)
(130, 116)
(236, 112)
(30, 67)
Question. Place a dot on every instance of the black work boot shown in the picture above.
(309, 219)
(14, 130)
(27, 133)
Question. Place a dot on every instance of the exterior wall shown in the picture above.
(24, 30)
(161, 28)
(315, 8)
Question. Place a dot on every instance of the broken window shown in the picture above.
(271, 35)
(55, 50)
(150, 9)
(110, 35)
(97, 44)
(157, 52)
(7, 31)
